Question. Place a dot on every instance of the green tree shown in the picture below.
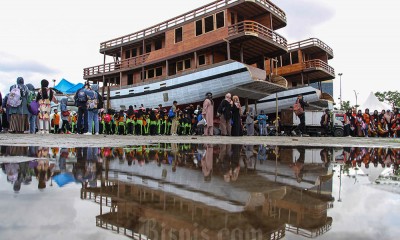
(390, 96)
(345, 105)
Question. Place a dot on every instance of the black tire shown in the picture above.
(338, 132)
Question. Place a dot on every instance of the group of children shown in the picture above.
(139, 122)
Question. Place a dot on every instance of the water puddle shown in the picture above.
(192, 191)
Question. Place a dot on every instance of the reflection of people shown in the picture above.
(207, 162)
(262, 153)
(232, 163)
(43, 172)
(250, 158)
(298, 165)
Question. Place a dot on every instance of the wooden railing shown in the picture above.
(316, 63)
(273, 8)
(309, 43)
(185, 17)
(114, 66)
(261, 30)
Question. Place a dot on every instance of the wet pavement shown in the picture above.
(199, 191)
(73, 140)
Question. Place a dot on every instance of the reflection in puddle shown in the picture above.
(188, 191)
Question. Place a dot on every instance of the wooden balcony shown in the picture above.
(257, 39)
(114, 66)
(312, 71)
(311, 45)
(173, 22)
(317, 64)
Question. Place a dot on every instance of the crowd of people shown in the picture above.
(26, 110)
(364, 124)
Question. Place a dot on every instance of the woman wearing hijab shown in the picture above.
(250, 122)
(236, 117)
(19, 114)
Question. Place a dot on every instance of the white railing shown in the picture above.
(309, 43)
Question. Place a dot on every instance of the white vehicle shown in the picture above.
(289, 121)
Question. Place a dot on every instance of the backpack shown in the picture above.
(171, 113)
(33, 107)
(81, 96)
(14, 98)
(92, 102)
(31, 97)
(107, 118)
(298, 110)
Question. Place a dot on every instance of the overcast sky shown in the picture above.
(57, 39)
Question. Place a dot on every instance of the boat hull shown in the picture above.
(191, 87)
(287, 98)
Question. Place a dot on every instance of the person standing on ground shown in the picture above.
(5, 116)
(225, 113)
(302, 126)
(208, 115)
(33, 108)
(236, 117)
(173, 114)
(44, 97)
(80, 101)
(262, 123)
(325, 121)
(1, 112)
(18, 107)
(93, 104)
(250, 122)
(56, 121)
(65, 128)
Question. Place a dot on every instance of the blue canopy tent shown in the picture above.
(64, 85)
(74, 88)
(67, 87)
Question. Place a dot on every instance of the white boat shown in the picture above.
(191, 86)
(287, 98)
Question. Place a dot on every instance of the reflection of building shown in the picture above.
(304, 212)
(136, 210)
(154, 199)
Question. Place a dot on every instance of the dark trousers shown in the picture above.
(82, 119)
(347, 130)
(129, 128)
(302, 125)
(56, 128)
(65, 126)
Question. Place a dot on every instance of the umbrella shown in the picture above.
(63, 179)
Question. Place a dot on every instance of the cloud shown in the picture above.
(303, 16)
(12, 67)
(10, 63)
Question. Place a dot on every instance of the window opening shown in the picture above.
(220, 19)
(178, 35)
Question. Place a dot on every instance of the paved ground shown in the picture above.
(52, 140)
